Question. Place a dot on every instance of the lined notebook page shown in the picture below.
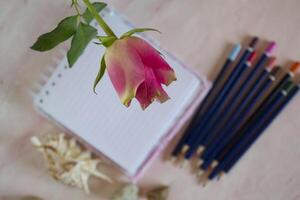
(125, 135)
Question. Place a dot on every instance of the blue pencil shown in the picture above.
(239, 92)
(255, 121)
(236, 118)
(256, 127)
(206, 101)
(196, 135)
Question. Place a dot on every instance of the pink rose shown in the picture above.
(137, 70)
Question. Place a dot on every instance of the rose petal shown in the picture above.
(151, 58)
(142, 96)
(150, 90)
(125, 70)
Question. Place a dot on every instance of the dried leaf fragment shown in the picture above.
(160, 193)
(128, 192)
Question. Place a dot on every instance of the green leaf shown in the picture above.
(84, 34)
(107, 40)
(87, 15)
(64, 30)
(100, 73)
(138, 30)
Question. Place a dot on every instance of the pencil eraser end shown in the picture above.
(235, 52)
(295, 67)
(270, 47)
(252, 56)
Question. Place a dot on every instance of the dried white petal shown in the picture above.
(128, 192)
(67, 161)
(35, 141)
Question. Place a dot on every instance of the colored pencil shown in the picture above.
(256, 127)
(196, 135)
(254, 121)
(211, 94)
(237, 122)
(239, 92)
(283, 81)
(217, 147)
(236, 117)
(243, 101)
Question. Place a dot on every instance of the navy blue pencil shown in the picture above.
(287, 76)
(235, 120)
(206, 101)
(239, 91)
(254, 122)
(234, 77)
(198, 132)
(265, 118)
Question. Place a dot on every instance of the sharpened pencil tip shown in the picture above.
(183, 163)
(203, 179)
(200, 151)
(181, 156)
(199, 163)
(200, 173)
(214, 164)
(220, 175)
(177, 160)
(184, 150)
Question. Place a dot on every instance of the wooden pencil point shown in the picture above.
(180, 159)
(203, 179)
(220, 175)
(199, 163)
(200, 151)
(183, 163)
(204, 176)
(177, 160)
(194, 164)
(184, 149)
(214, 164)
(200, 173)
(204, 183)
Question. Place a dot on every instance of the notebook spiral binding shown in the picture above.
(47, 74)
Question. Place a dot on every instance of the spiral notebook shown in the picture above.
(129, 137)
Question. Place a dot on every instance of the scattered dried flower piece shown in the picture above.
(128, 192)
(160, 193)
(67, 161)
(22, 198)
